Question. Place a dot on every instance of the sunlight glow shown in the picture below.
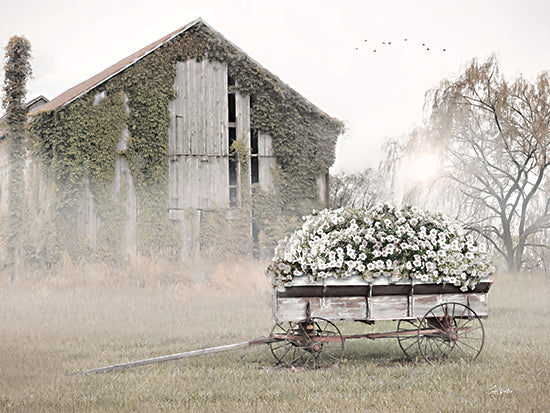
(424, 166)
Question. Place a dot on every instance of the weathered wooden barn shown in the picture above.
(159, 146)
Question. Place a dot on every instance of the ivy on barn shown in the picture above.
(77, 143)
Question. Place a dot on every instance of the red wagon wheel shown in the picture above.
(450, 328)
(314, 343)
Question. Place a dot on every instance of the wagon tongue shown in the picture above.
(178, 356)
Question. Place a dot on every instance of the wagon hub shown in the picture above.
(316, 347)
(453, 336)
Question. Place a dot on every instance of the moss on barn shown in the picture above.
(78, 145)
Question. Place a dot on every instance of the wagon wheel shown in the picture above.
(408, 337)
(314, 343)
(281, 346)
(450, 327)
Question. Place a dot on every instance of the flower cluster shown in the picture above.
(384, 241)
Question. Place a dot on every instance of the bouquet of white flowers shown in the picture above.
(382, 242)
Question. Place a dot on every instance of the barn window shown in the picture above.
(233, 161)
(231, 112)
(254, 164)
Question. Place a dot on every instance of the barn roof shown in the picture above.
(82, 88)
(32, 106)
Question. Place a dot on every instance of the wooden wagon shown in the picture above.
(434, 320)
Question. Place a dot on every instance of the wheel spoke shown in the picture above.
(466, 354)
(463, 322)
(464, 310)
(469, 330)
(467, 345)
(409, 346)
(439, 344)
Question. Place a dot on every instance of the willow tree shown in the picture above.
(494, 135)
(17, 70)
(364, 189)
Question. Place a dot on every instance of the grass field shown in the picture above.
(52, 327)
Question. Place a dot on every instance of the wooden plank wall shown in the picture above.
(242, 117)
(188, 222)
(198, 141)
(266, 161)
(322, 188)
(87, 219)
(124, 182)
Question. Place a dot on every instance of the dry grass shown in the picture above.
(50, 326)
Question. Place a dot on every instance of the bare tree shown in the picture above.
(362, 190)
(494, 136)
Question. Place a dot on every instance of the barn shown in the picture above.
(186, 147)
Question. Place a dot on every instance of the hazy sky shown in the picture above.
(323, 49)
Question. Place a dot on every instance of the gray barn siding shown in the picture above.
(87, 218)
(124, 182)
(242, 118)
(266, 161)
(198, 146)
(198, 140)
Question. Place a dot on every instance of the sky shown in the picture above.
(322, 49)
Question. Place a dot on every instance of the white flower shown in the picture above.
(317, 252)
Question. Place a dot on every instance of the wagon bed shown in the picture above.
(356, 299)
